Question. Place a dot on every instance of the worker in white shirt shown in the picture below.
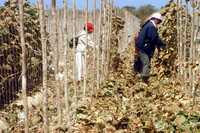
(84, 40)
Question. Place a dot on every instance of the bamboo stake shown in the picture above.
(190, 62)
(197, 37)
(180, 41)
(24, 80)
(126, 28)
(109, 33)
(65, 65)
(107, 36)
(85, 56)
(54, 36)
(103, 42)
(74, 51)
(58, 77)
(94, 49)
(185, 47)
(193, 56)
(178, 36)
(81, 84)
(99, 44)
(44, 62)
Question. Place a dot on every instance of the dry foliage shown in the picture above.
(10, 49)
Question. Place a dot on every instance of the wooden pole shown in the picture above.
(65, 65)
(185, 48)
(110, 32)
(44, 62)
(85, 67)
(59, 73)
(94, 49)
(193, 48)
(180, 41)
(192, 53)
(178, 35)
(99, 45)
(107, 37)
(24, 80)
(54, 35)
(103, 42)
(74, 51)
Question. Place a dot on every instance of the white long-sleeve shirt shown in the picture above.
(84, 41)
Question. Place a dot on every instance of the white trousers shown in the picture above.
(80, 65)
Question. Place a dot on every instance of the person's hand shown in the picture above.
(163, 46)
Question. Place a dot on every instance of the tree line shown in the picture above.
(142, 12)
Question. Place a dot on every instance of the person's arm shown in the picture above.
(154, 38)
(160, 44)
(90, 42)
(85, 39)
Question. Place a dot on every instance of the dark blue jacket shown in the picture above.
(148, 39)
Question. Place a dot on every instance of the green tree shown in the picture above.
(131, 9)
(145, 11)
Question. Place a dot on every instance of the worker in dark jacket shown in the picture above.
(148, 40)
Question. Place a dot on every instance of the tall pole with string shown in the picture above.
(85, 54)
(54, 36)
(44, 62)
(185, 46)
(103, 40)
(192, 51)
(24, 80)
(74, 52)
(65, 33)
(109, 34)
(94, 49)
(193, 48)
(99, 45)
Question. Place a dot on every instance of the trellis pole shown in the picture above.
(185, 48)
(197, 38)
(190, 63)
(107, 37)
(192, 54)
(74, 52)
(24, 69)
(180, 41)
(85, 54)
(110, 31)
(193, 80)
(65, 33)
(178, 35)
(44, 66)
(54, 36)
(94, 49)
(59, 74)
(104, 44)
(103, 41)
(99, 45)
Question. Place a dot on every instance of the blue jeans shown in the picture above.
(145, 64)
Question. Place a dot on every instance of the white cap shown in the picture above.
(156, 15)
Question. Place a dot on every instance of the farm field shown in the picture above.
(39, 91)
